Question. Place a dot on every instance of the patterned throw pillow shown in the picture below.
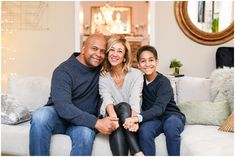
(12, 112)
(228, 125)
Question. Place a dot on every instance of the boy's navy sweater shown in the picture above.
(158, 99)
(75, 92)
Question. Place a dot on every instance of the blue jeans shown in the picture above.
(45, 122)
(171, 127)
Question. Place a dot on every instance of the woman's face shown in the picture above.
(116, 54)
(147, 62)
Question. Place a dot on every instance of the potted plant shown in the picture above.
(176, 65)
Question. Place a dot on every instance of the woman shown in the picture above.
(121, 92)
(159, 111)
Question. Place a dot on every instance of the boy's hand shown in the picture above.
(134, 127)
(131, 124)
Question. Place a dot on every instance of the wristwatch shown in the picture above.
(140, 117)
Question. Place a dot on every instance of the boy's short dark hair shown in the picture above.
(146, 48)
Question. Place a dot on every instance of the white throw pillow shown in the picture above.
(223, 81)
(31, 91)
(193, 89)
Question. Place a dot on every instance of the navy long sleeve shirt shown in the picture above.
(158, 99)
(75, 92)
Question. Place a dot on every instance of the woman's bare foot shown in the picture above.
(139, 154)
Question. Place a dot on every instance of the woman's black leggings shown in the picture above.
(121, 139)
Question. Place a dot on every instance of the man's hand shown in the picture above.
(103, 73)
(106, 125)
(115, 121)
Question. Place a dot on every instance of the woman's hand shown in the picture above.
(115, 121)
(112, 115)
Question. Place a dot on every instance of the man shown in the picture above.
(73, 104)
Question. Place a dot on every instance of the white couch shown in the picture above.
(196, 139)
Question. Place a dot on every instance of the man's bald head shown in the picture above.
(91, 38)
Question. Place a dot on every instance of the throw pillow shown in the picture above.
(223, 80)
(12, 112)
(206, 112)
(228, 125)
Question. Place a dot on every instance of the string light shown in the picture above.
(17, 16)
(8, 53)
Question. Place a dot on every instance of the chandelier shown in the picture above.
(107, 13)
(103, 20)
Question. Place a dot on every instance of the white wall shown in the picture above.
(39, 52)
(198, 60)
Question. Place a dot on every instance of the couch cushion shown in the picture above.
(193, 88)
(31, 91)
(201, 140)
(196, 140)
(15, 141)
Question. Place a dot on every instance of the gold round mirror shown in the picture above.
(198, 31)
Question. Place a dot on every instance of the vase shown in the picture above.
(215, 25)
(177, 71)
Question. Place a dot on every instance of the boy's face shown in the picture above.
(147, 63)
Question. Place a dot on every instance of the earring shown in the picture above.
(124, 60)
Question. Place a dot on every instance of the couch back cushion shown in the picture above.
(193, 89)
(31, 91)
